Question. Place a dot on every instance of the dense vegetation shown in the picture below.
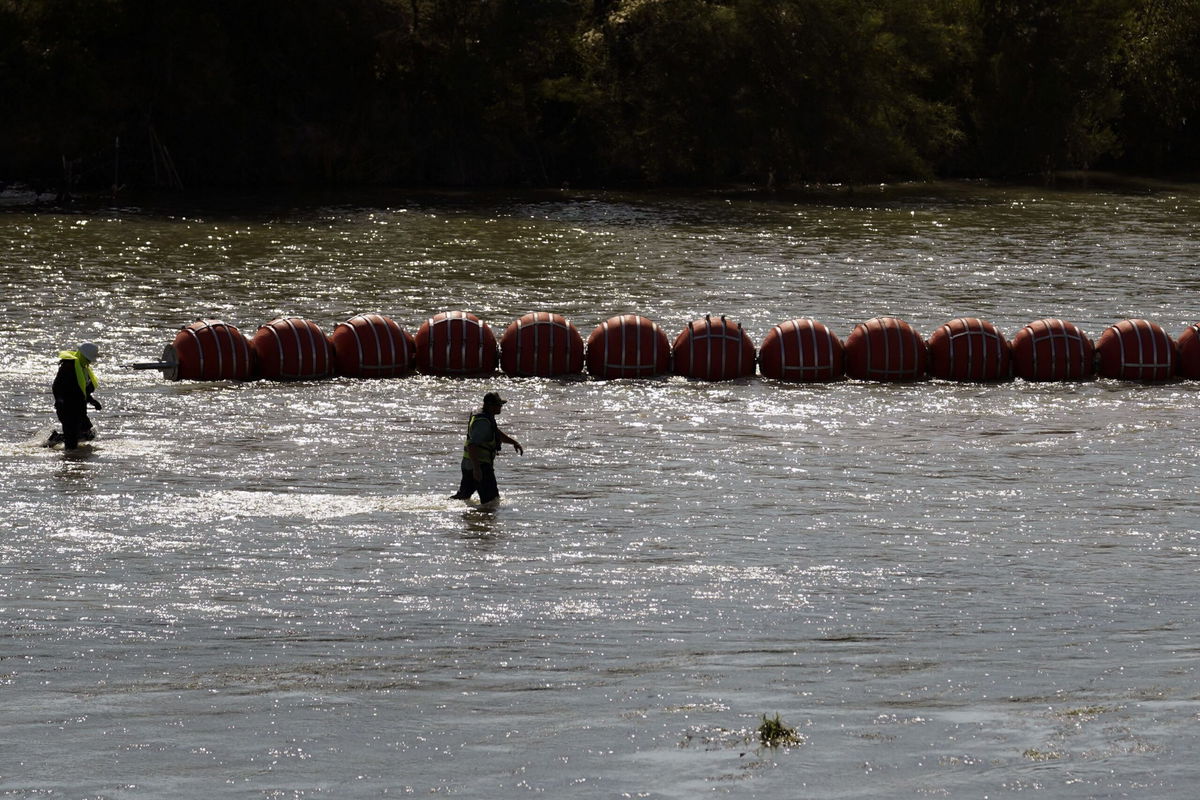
(541, 92)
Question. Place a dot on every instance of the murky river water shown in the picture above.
(261, 590)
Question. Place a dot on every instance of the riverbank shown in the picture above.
(22, 197)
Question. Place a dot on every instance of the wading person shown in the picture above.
(73, 388)
(484, 438)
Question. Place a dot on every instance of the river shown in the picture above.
(261, 590)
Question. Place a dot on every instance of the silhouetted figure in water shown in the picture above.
(484, 438)
(73, 388)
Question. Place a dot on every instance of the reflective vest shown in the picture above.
(490, 447)
(83, 369)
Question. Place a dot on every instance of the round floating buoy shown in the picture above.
(969, 349)
(208, 350)
(628, 346)
(292, 349)
(801, 350)
(1136, 350)
(1189, 352)
(713, 351)
(372, 346)
(541, 344)
(885, 349)
(455, 343)
(1052, 350)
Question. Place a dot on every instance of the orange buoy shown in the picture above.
(628, 346)
(801, 350)
(969, 349)
(292, 349)
(1189, 352)
(885, 349)
(208, 350)
(541, 344)
(713, 351)
(1136, 350)
(1052, 350)
(372, 346)
(455, 343)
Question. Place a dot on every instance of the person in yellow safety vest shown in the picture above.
(73, 388)
(484, 438)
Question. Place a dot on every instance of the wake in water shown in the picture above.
(48, 436)
(434, 502)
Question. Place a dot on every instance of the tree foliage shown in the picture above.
(478, 92)
(1046, 96)
(1160, 126)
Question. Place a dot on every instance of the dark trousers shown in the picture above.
(486, 486)
(75, 423)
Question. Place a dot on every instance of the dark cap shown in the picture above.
(493, 399)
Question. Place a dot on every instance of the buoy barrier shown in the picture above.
(885, 349)
(373, 346)
(969, 349)
(1135, 350)
(543, 345)
(208, 350)
(292, 349)
(1189, 352)
(1052, 350)
(713, 351)
(456, 343)
(802, 350)
(628, 346)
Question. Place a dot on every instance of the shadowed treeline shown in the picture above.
(540, 92)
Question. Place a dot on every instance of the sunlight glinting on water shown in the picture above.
(261, 589)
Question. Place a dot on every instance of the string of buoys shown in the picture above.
(545, 344)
